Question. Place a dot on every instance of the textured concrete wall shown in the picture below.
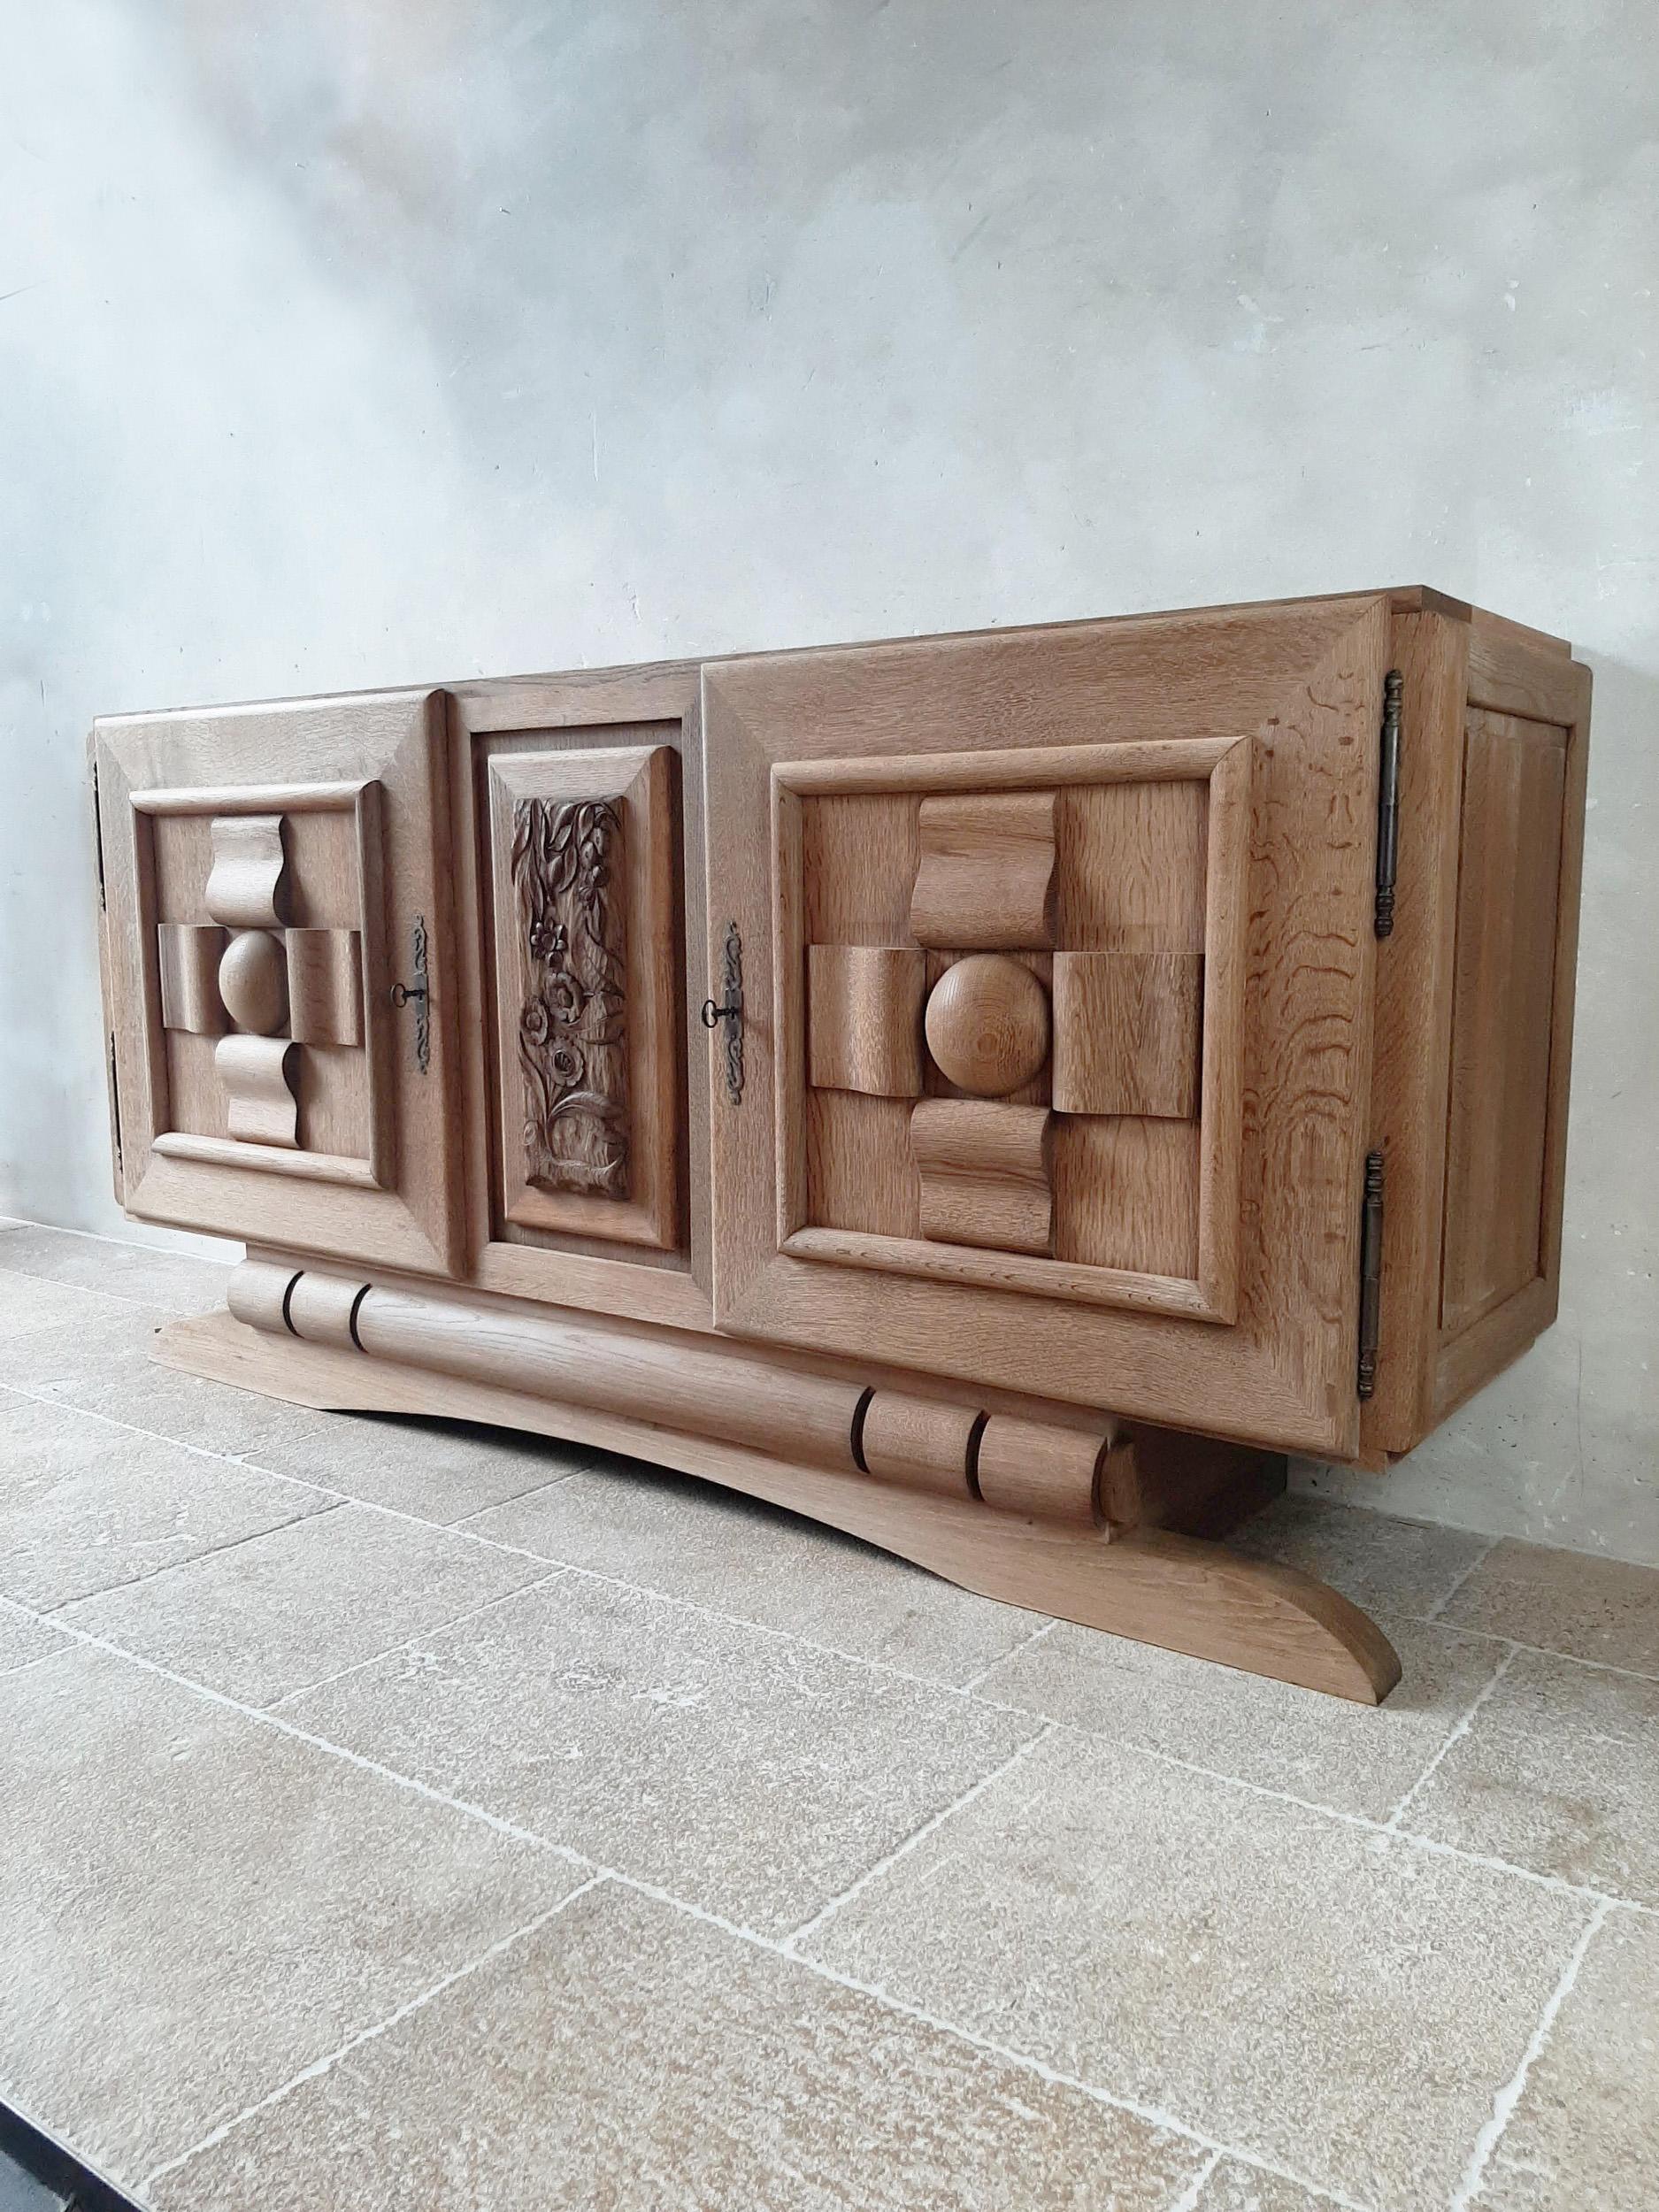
(394, 341)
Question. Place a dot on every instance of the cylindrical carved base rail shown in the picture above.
(1080, 1477)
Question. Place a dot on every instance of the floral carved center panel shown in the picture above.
(572, 1038)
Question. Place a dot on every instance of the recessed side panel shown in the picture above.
(1503, 1008)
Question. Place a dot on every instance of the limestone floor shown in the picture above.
(409, 1817)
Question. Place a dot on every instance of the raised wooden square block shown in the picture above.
(864, 1018)
(983, 1169)
(1128, 1031)
(985, 882)
(325, 979)
(188, 955)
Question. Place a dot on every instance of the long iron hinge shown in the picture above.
(97, 836)
(115, 1105)
(1388, 803)
(1370, 1229)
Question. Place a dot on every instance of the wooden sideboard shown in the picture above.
(997, 1094)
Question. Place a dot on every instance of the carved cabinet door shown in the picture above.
(1055, 958)
(277, 947)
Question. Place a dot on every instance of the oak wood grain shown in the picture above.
(983, 1167)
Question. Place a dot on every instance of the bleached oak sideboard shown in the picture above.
(996, 1094)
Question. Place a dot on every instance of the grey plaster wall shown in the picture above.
(349, 343)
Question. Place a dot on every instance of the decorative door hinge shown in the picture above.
(418, 994)
(730, 1011)
(1370, 1229)
(115, 1105)
(1388, 803)
(97, 836)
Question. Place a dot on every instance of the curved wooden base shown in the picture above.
(1149, 1583)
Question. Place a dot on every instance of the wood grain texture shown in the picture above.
(356, 783)
(986, 1025)
(1152, 1586)
(864, 1018)
(325, 986)
(583, 891)
(573, 1020)
(1045, 1474)
(1503, 1008)
(253, 981)
(1127, 1029)
(1292, 810)
(1127, 1197)
(1413, 1023)
(258, 1074)
(248, 888)
(583, 711)
(983, 1167)
(918, 1443)
(188, 954)
(985, 878)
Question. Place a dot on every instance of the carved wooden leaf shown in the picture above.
(567, 860)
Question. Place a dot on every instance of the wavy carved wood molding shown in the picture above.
(567, 859)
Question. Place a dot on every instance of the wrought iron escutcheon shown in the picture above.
(730, 1012)
(418, 994)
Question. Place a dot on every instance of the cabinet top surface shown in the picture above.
(1410, 598)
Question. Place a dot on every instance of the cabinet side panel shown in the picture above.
(1413, 1041)
(1503, 1013)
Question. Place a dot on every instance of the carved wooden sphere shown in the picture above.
(253, 981)
(988, 1025)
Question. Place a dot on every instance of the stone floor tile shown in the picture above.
(1584, 2135)
(1384, 1564)
(85, 1505)
(438, 1470)
(1236, 2187)
(197, 1905)
(631, 2058)
(739, 1555)
(106, 1365)
(1342, 2006)
(1358, 1759)
(23, 1640)
(1566, 1602)
(177, 1282)
(28, 1305)
(277, 1612)
(752, 1775)
(1559, 1772)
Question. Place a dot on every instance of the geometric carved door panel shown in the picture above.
(1057, 968)
(1023, 990)
(277, 934)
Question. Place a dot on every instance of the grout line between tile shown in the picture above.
(1152, 2115)
(886, 1666)
(321, 2066)
(1537, 1651)
(412, 1642)
(269, 1719)
(644, 1887)
(1188, 2201)
(1454, 1735)
(1508, 2096)
(1477, 1563)
(935, 1821)
(1042, 1629)
(209, 1551)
